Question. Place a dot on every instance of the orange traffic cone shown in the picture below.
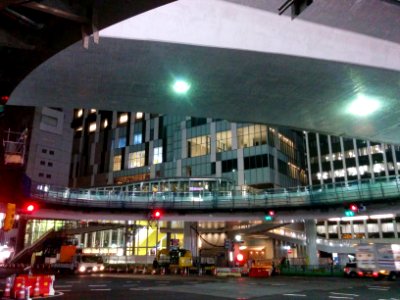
(21, 292)
(36, 290)
(7, 290)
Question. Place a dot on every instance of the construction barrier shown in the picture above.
(7, 289)
(260, 272)
(225, 272)
(40, 285)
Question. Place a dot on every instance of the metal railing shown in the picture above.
(330, 194)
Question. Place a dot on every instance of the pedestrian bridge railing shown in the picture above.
(387, 188)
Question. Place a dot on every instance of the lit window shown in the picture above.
(121, 142)
(139, 115)
(92, 111)
(252, 135)
(198, 146)
(157, 157)
(80, 128)
(136, 159)
(105, 123)
(92, 127)
(79, 113)
(117, 163)
(224, 141)
(137, 138)
(123, 118)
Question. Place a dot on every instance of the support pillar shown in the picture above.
(21, 234)
(311, 238)
(190, 237)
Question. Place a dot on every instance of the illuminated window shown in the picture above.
(137, 138)
(224, 141)
(92, 111)
(123, 118)
(198, 146)
(80, 128)
(139, 115)
(252, 135)
(157, 156)
(92, 127)
(105, 123)
(121, 142)
(117, 163)
(136, 159)
(79, 113)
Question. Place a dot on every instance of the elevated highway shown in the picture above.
(244, 62)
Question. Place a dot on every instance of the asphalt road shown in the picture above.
(128, 286)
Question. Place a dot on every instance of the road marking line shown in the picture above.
(97, 285)
(378, 286)
(379, 289)
(139, 289)
(100, 289)
(63, 286)
(340, 297)
(129, 285)
(278, 284)
(63, 290)
(295, 295)
(345, 294)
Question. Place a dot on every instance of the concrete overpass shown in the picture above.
(244, 62)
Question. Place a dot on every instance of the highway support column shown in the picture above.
(311, 242)
(190, 237)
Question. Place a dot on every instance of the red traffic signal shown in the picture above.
(4, 99)
(239, 257)
(271, 213)
(157, 214)
(353, 207)
(30, 208)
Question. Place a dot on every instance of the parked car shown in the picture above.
(351, 270)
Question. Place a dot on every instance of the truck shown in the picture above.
(69, 259)
(175, 260)
(379, 260)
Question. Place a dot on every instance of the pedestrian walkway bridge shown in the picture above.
(199, 198)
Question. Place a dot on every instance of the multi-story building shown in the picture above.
(340, 160)
(114, 148)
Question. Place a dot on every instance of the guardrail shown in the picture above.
(363, 191)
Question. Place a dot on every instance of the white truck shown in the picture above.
(69, 260)
(379, 260)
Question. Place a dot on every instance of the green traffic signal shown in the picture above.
(268, 218)
(349, 213)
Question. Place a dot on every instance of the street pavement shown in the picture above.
(129, 286)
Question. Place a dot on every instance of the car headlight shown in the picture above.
(94, 269)
(82, 269)
(102, 268)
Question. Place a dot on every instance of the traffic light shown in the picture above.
(270, 215)
(9, 218)
(30, 208)
(3, 101)
(156, 214)
(239, 257)
(351, 210)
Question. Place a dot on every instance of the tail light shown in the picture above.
(360, 273)
(346, 270)
(375, 274)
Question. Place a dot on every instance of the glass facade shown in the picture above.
(151, 146)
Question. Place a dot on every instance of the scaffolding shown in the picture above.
(14, 144)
